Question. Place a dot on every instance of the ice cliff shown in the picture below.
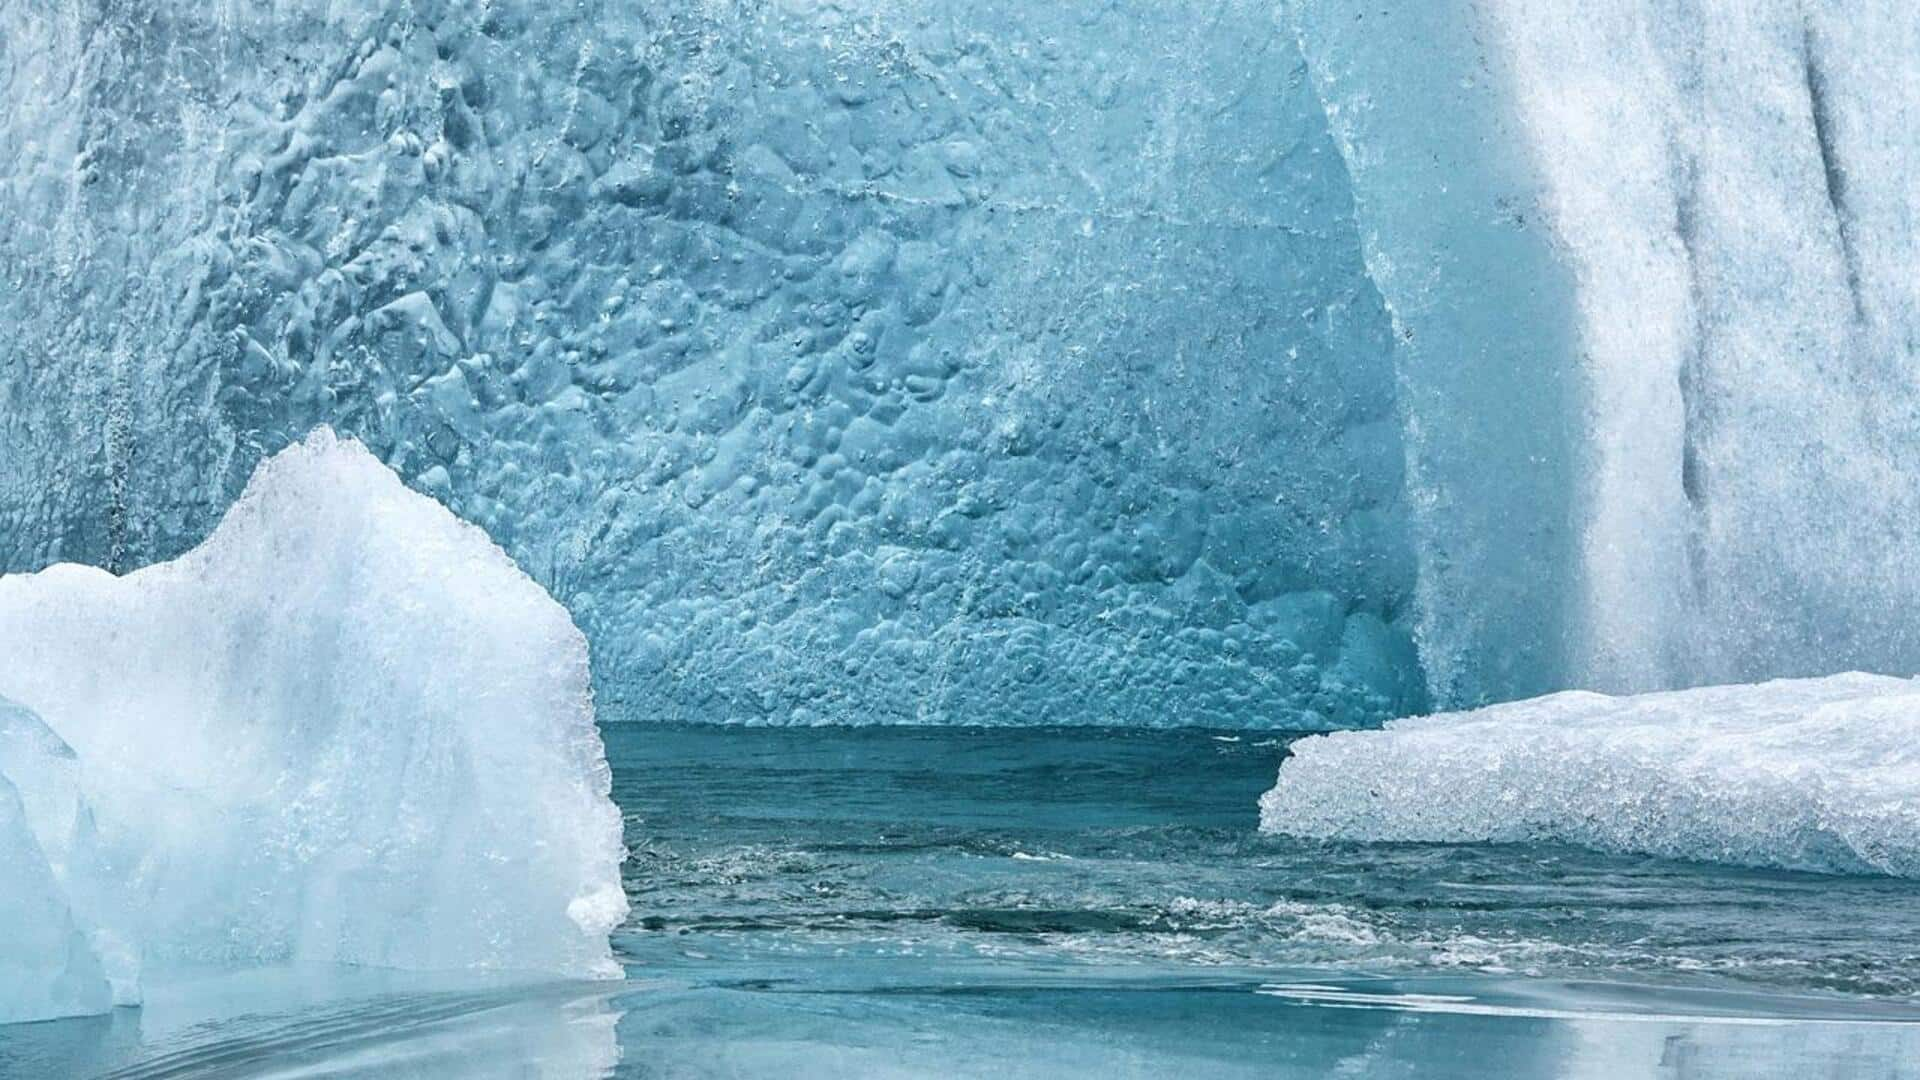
(985, 362)
(1652, 266)
(926, 361)
(344, 730)
(1809, 774)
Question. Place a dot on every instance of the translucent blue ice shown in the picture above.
(993, 362)
(48, 967)
(1137, 363)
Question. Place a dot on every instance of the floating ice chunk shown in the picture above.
(1814, 774)
(47, 966)
(346, 729)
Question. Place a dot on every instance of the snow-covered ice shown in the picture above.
(1813, 774)
(345, 729)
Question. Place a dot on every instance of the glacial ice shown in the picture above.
(343, 730)
(992, 362)
(1487, 362)
(1811, 774)
(1739, 213)
(1652, 265)
(48, 967)
(967, 360)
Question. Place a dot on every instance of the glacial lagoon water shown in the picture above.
(1099, 902)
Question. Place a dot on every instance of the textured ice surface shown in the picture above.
(932, 360)
(48, 968)
(1654, 264)
(345, 729)
(1740, 215)
(1489, 371)
(1814, 774)
(986, 361)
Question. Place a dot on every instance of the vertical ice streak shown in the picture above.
(1490, 394)
(1727, 184)
(1618, 190)
(1821, 108)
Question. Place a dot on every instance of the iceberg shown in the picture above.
(1305, 363)
(344, 730)
(816, 371)
(1808, 774)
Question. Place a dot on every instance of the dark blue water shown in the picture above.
(937, 902)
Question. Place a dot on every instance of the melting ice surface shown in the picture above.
(1812, 774)
(343, 731)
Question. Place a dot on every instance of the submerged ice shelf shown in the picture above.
(1811, 774)
(344, 730)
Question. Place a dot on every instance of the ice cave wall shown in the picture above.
(920, 361)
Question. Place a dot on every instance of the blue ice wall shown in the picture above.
(1422, 104)
(983, 361)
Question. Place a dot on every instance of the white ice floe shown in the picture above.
(1814, 774)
